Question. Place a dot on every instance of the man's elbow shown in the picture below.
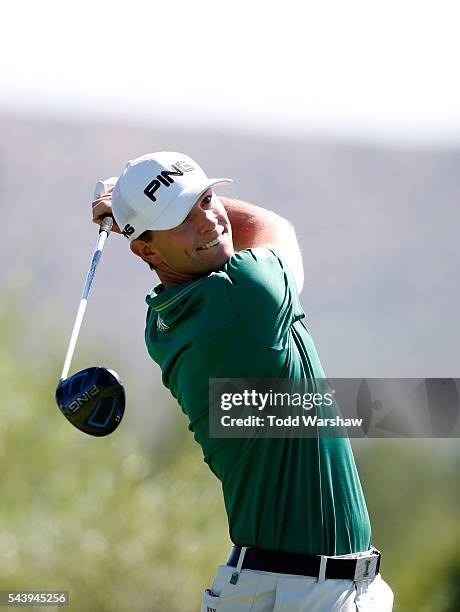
(295, 257)
(299, 280)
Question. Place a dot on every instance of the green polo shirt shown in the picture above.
(245, 321)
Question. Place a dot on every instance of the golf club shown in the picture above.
(93, 399)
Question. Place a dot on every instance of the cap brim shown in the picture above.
(176, 212)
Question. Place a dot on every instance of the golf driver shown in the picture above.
(93, 399)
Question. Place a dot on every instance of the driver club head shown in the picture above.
(93, 400)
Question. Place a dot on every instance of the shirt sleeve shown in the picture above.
(263, 292)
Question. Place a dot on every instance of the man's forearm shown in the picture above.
(253, 226)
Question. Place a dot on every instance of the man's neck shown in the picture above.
(171, 278)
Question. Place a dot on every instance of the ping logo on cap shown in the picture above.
(165, 178)
(128, 230)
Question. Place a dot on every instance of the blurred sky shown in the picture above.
(384, 71)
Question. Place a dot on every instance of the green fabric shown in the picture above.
(244, 321)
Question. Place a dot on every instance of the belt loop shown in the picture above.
(239, 565)
(322, 569)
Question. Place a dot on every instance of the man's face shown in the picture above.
(200, 244)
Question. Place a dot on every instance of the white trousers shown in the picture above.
(269, 592)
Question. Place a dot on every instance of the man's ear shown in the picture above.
(145, 251)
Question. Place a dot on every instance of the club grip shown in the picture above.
(106, 224)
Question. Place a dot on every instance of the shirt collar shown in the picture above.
(161, 299)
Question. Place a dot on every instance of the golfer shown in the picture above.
(228, 307)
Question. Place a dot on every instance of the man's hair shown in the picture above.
(147, 237)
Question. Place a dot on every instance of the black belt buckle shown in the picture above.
(367, 567)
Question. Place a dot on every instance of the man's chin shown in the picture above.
(215, 261)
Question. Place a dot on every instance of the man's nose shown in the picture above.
(207, 221)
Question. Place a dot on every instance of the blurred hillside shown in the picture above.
(136, 521)
(379, 231)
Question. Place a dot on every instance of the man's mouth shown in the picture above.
(211, 243)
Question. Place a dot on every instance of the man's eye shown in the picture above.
(207, 200)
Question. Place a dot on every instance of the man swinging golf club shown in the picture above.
(228, 307)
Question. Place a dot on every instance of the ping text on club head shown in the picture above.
(81, 400)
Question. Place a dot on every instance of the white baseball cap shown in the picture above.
(157, 191)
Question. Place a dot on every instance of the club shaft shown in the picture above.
(83, 301)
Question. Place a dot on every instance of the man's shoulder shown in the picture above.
(252, 259)
(248, 268)
(255, 254)
(255, 265)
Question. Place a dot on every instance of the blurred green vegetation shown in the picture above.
(124, 526)
(412, 489)
(119, 526)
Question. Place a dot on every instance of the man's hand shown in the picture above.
(102, 206)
